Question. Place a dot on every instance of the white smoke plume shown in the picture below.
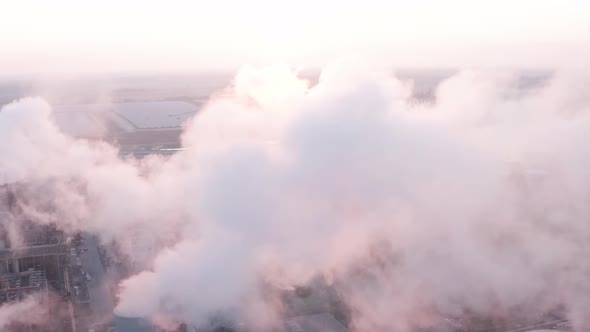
(476, 203)
(28, 311)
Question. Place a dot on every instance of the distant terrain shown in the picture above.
(145, 114)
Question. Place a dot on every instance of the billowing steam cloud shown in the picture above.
(27, 311)
(475, 203)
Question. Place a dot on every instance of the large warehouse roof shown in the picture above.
(94, 120)
(156, 114)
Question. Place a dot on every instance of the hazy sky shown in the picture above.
(113, 35)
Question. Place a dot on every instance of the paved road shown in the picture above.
(101, 301)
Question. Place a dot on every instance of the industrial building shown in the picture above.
(33, 260)
(40, 249)
(16, 286)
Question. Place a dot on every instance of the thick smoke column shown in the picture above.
(474, 203)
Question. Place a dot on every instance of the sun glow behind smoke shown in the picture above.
(412, 210)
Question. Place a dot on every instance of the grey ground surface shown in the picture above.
(101, 301)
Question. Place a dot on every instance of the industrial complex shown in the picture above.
(75, 275)
(34, 261)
